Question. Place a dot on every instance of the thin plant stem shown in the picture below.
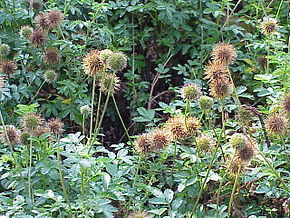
(92, 108)
(65, 192)
(268, 54)
(83, 192)
(233, 191)
(83, 123)
(135, 178)
(174, 157)
(6, 134)
(204, 181)
(279, 8)
(40, 87)
(121, 119)
(274, 171)
(235, 90)
(223, 133)
(29, 173)
(97, 128)
(220, 186)
(99, 106)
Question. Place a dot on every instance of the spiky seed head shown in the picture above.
(24, 138)
(8, 67)
(190, 92)
(12, 135)
(142, 144)
(54, 18)
(31, 121)
(51, 56)
(277, 123)
(56, 126)
(268, 25)
(26, 32)
(286, 103)
(205, 103)
(205, 142)
(109, 83)
(139, 214)
(158, 139)
(4, 49)
(216, 71)
(35, 4)
(105, 54)
(221, 89)
(117, 61)
(238, 141)
(41, 130)
(38, 37)
(224, 53)
(42, 22)
(85, 109)
(192, 124)
(235, 166)
(244, 116)
(176, 126)
(50, 76)
(247, 153)
(93, 64)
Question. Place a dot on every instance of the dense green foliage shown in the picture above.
(95, 167)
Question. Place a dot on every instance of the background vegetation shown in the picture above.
(76, 173)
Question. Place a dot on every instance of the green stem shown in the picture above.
(204, 181)
(174, 157)
(65, 193)
(6, 134)
(274, 171)
(220, 186)
(29, 173)
(121, 119)
(99, 106)
(92, 108)
(83, 124)
(233, 191)
(280, 6)
(97, 129)
(83, 193)
(40, 87)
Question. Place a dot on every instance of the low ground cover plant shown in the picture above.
(144, 109)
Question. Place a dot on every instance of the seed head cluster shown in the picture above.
(117, 61)
(7, 67)
(176, 128)
(268, 25)
(139, 214)
(38, 37)
(190, 92)
(224, 53)
(49, 20)
(51, 56)
(205, 103)
(205, 142)
(109, 83)
(10, 134)
(50, 76)
(4, 49)
(26, 32)
(244, 151)
(277, 123)
(93, 64)
(217, 71)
